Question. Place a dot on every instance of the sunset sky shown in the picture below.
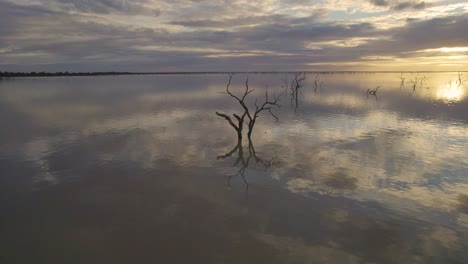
(235, 35)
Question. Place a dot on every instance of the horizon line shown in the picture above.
(90, 73)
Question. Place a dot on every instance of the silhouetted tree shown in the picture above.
(417, 81)
(402, 81)
(294, 87)
(251, 115)
(460, 79)
(373, 91)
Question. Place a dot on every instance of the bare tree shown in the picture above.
(460, 79)
(240, 119)
(373, 91)
(294, 87)
(295, 84)
(317, 83)
(402, 81)
(417, 81)
(267, 105)
(252, 116)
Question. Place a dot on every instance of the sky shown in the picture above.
(233, 35)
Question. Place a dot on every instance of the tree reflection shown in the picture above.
(245, 160)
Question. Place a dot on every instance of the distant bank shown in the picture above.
(54, 74)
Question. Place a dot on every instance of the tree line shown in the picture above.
(52, 74)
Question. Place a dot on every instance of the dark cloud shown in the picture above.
(409, 5)
(380, 2)
(399, 5)
(133, 7)
(11, 15)
(422, 34)
(251, 20)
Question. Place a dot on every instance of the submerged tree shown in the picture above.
(294, 86)
(402, 81)
(373, 91)
(252, 115)
(249, 116)
(417, 81)
(460, 79)
(317, 83)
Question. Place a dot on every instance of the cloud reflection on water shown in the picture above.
(341, 144)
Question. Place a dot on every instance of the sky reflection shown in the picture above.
(397, 153)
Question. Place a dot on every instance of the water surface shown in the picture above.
(140, 169)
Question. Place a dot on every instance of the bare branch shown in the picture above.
(271, 113)
(374, 91)
(229, 154)
(228, 118)
(268, 104)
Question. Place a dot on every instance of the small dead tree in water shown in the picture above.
(417, 81)
(294, 87)
(240, 119)
(373, 91)
(317, 83)
(460, 79)
(267, 105)
(295, 84)
(402, 81)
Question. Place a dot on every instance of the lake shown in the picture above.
(141, 169)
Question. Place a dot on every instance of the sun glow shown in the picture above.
(451, 92)
(446, 49)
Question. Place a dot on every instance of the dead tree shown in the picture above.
(460, 79)
(402, 81)
(294, 87)
(317, 83)
(417, 81)
(240, 119)
(295, 84)
(267, 105)
(373, 91)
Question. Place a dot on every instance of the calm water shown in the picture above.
(140, 169)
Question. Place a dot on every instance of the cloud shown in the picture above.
(270, 35)
(135, 7)
(425, 34)
(398, 5)
(250, 20)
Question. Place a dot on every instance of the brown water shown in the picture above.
(139, 169)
